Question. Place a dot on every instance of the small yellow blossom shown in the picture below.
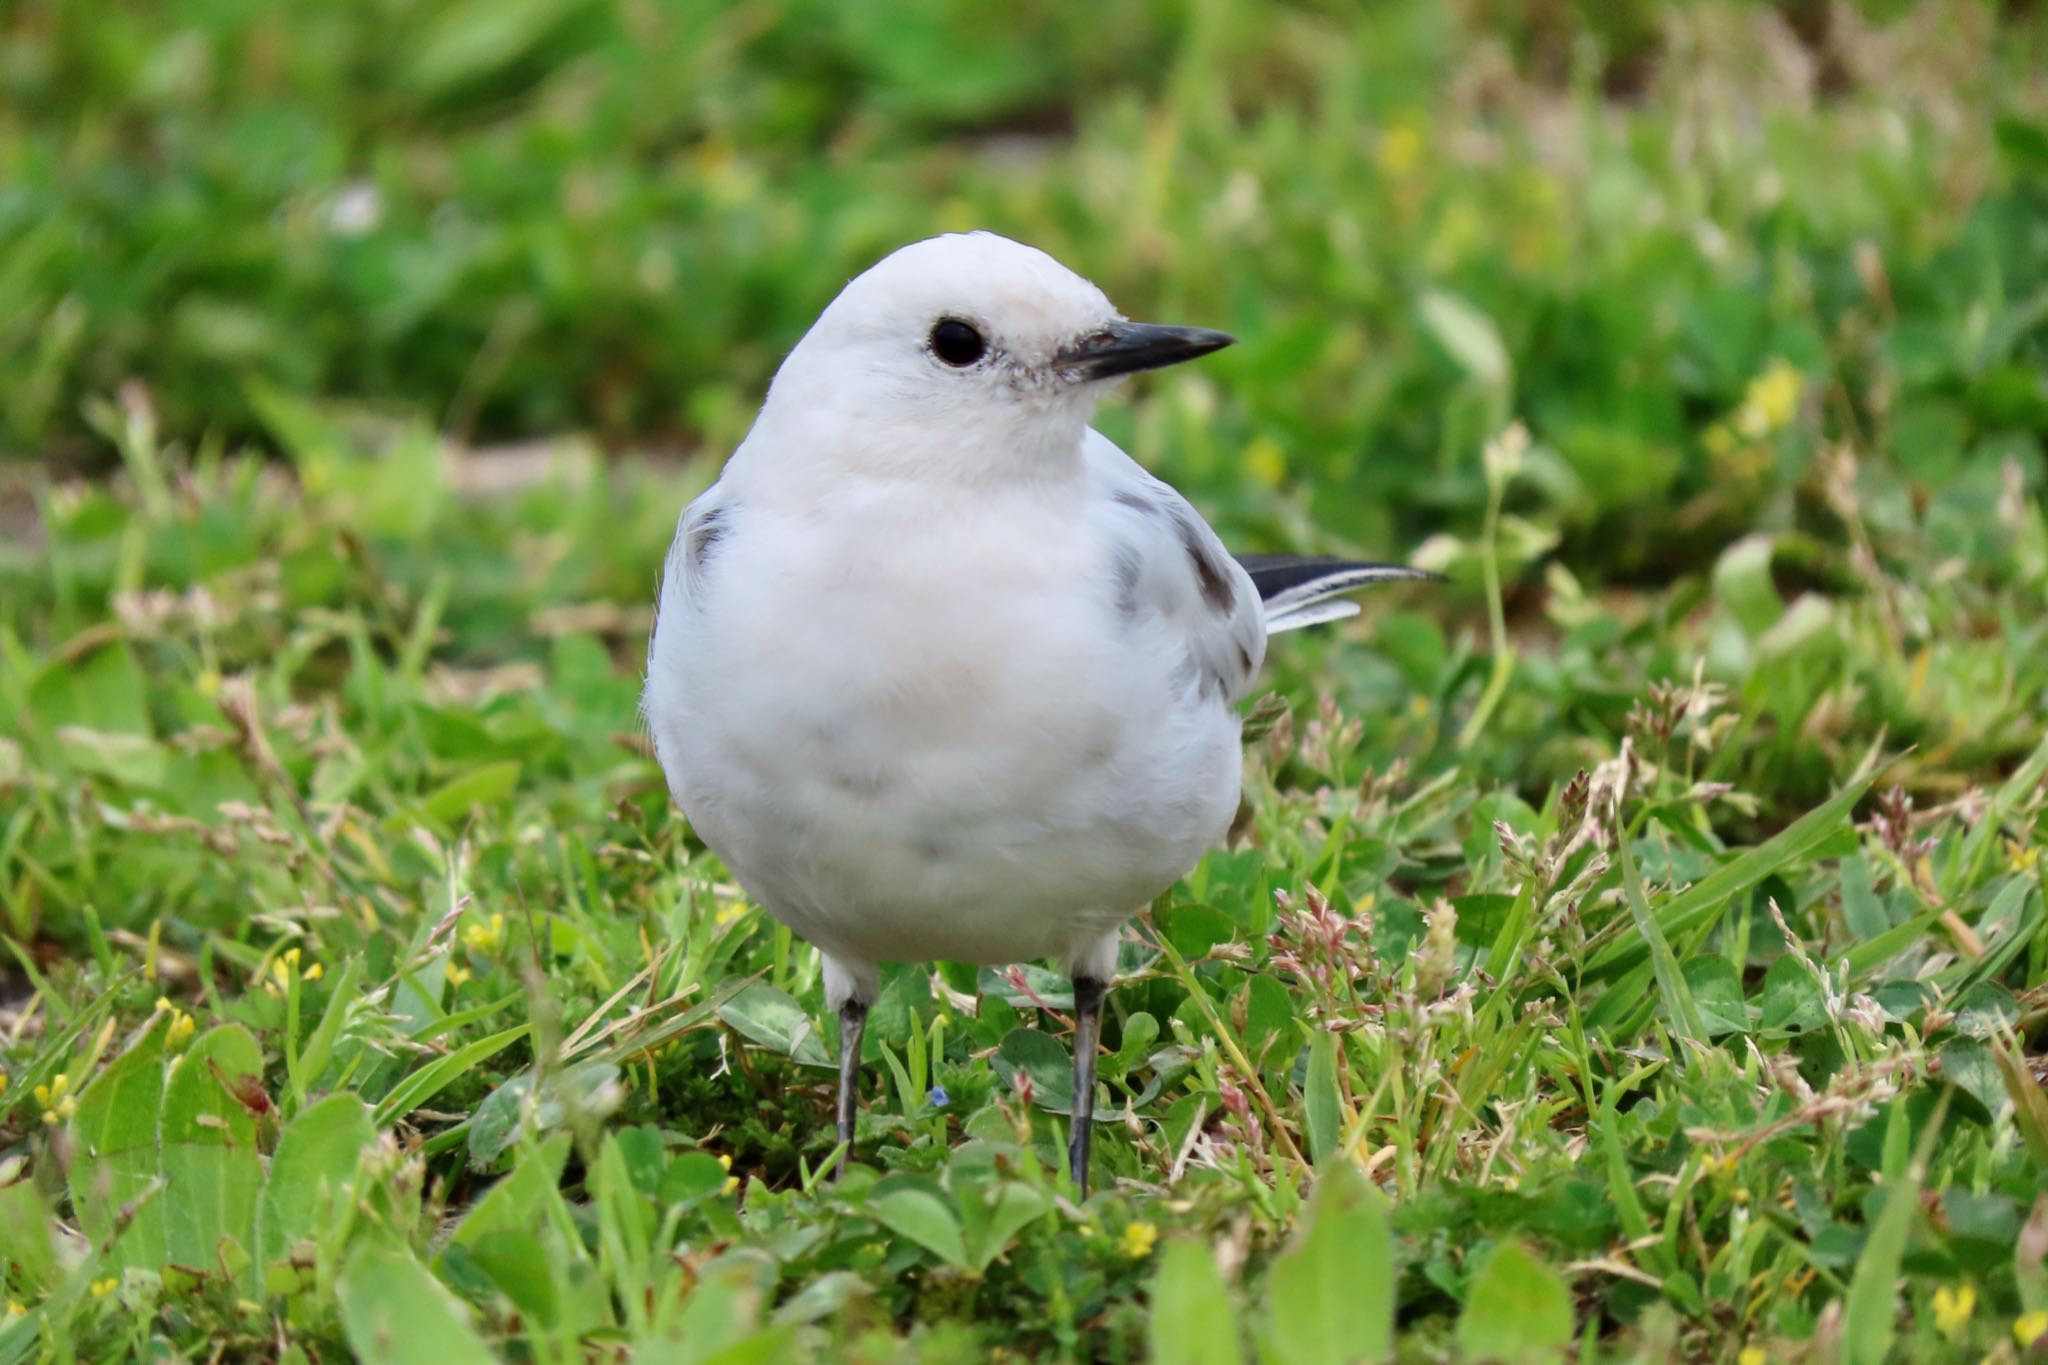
(180, 1028)
(1400, 151)
(1265, 462)
(726, 914)
(458, 975)
(1139, 1239)
(1770, 403)
(163, 1003)
(102, 1288)
(486, 938)
(1751, 1355)
(316, 971)
(2021, 857)
(732, 1182)
(2028, 1327)
(1952, 1309)
(3, 1082)
(15, 1310)
(57, 1104)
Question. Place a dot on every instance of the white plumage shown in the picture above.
(938, 671)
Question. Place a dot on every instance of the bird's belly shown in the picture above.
(992, 789)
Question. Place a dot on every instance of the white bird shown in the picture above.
(939, 671)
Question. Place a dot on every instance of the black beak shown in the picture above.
(1127, 347)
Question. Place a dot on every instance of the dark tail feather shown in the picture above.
(1302, 590)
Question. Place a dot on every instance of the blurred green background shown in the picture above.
(519, 218)
(355, 359)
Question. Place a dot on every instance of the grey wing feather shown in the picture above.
(1305, 590)
(1169, 569)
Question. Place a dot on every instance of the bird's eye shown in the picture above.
(957, 343)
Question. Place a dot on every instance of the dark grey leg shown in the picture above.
(853, 1021)
(1088, 994)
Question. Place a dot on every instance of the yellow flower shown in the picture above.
(1952, 1309)
(3, 1082)
(1139, 1239)
(458, 975)
(1770, 403)
(2021, 857)
(179, 1029)
(102, 1288)
(732, 1182)
(14, 1309)
(726, 914)
(1751, 1355)
(1400, 151)
(486, 939)
(57, 1105)
(163, 1002)
(283, 968)
(1264, 460)
(2028, 1327)
(316, 971)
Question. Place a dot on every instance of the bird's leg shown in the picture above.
(853, 1021)
(1087, 1028)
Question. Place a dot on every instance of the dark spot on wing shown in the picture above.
(1244, 659)
(1136, 501)
(1127, 568)
(1211, 576)
(703, 537)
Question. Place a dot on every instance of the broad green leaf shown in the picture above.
(988, 1225)
(762, 1014)
(1330, 1296)
(1468, 335)
(115, 1129)
(485, 786)
(519, 1200)
(1194, 1321)
(496, 1123)
(1037, 1054)
(1517, 1310)
(924, 1220)
(1717, 992)
(210, 1164)
(311, 1173)
(28, 1237)
(1792, 997)
(1861, 908)
(517, 1262)
(394, 1312)
(1742, 580)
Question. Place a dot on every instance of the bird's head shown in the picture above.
(968, 348)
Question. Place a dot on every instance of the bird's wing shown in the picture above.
(1169, 570)
(698, 530)
(1302, 590)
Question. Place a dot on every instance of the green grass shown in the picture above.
(1635, 949)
